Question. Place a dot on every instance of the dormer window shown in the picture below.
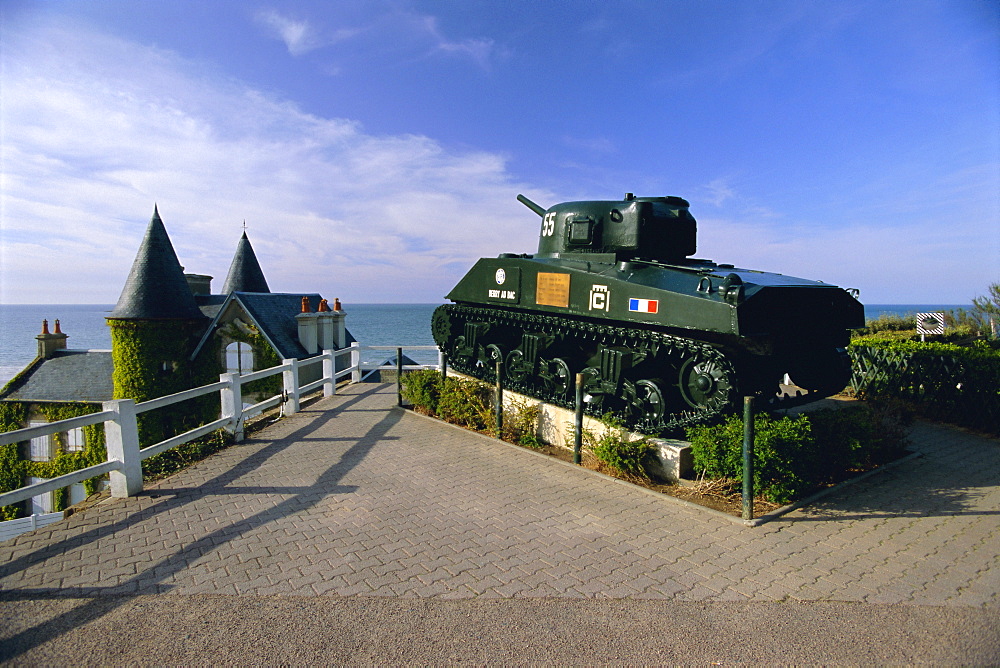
(239, 357)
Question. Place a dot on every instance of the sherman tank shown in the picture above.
(662, 339)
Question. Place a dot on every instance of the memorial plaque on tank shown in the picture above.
(552, 290)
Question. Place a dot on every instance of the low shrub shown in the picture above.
(422, 388)
(467, 403)
(520, 423)
(615, 448)
(795, 455)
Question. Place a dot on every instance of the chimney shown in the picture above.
(200, 284)
(48, 343)
(308, 328)
(332, 333)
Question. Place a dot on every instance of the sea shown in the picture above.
(85, 325)
(370, 324)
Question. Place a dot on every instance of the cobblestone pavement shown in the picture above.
(351, 497)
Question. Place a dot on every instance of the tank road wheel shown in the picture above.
(517, 367)
(593, 387)
(557, 377)
(646, 402)
(706, 382)
(460, 354)
(494, 354)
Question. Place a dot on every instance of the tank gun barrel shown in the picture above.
(531, 205)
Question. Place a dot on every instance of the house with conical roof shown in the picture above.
(169, 333)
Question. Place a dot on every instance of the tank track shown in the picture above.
(663, 354)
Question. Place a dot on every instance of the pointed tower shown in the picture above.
(245, 274)
(156, 288)
(154, 328)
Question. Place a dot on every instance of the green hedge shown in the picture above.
(942, 381)
(794, 456)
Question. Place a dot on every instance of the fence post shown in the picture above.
(329, 373)
(231, 400)
(578, 421)
(355, 362)
(290, 377)
(121, 436)
(442, 364)
(748, 458)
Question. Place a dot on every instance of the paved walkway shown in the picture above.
(354, 502)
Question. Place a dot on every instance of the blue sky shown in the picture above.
(375, 148)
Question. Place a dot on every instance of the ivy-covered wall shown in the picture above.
(14, 470)
(264, 356)
(151, 360)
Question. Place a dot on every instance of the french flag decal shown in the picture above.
(643, 305)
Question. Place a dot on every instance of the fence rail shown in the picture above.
(12, 528)
(124, 463)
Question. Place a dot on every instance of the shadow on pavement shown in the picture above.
(102, 600)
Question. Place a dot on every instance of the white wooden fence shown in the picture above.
(124, 463)
(12, 528)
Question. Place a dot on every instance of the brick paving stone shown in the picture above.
(353, 497)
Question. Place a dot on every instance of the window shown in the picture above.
(41, 446)
(74, 440)
(43, 503)
(239, 357)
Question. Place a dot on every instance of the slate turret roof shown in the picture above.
(245, 274)
(156, 288)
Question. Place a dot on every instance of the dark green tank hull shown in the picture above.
(663, 344)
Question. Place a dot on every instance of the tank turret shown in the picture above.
(661, 338)
(650, 228)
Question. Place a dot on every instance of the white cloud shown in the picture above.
(329, 208)
(298, 36)
(718, 191)
(888, 264)
(480, 50)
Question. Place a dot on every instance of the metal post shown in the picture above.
(748, 458)
(443, 363)
(578, 421)
(499, 403)
(399, 376)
